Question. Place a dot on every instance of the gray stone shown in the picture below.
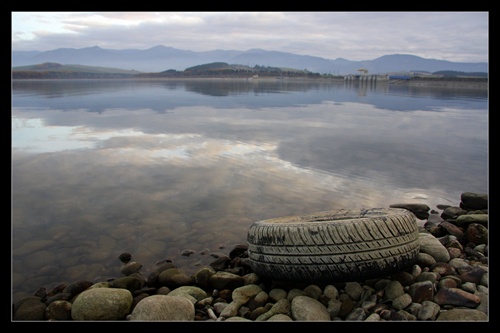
(431, 245)
(244, 293)
(163, 307)
(58, 310)
(464, 220)
(197, 293)
(428, 311)
(306, 309)
(102, 304)
(231, 310)
(280, 317)
(32, 309)
(354, 290)
(462, 315)
(225, 280)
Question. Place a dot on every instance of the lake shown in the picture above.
(159, 167)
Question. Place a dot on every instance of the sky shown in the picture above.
(452, 36)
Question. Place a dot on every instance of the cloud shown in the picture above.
(454, 36)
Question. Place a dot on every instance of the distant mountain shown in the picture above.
(161, 58)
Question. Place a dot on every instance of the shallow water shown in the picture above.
(101, 167)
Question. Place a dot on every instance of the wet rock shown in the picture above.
(32, 309)
(125, 257)
(464, 220)
(225, 280)
(187, 252)
(238, 251)
(130, 268)
(58, 310)
(474, 201)
(77, 287)
(421, 211)
(130, 283)
(221, 263)
(202, 276)
(452, 212)
(173, 278)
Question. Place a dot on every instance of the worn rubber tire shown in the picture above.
(334, 246)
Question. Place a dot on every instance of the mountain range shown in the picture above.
(162, 58)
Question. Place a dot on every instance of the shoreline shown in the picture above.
(448, 282)
(452, 83)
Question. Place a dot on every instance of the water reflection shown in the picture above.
(153, 168)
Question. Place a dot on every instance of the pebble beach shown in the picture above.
(448, 282)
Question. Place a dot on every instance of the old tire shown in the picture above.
(334, 246)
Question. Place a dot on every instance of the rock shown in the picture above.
(58, 310)
(245, 293)
(130, 268)
(202, 276)
(306, 308)
(393, 290)
(280, 317)
(465, 220)
(428, 311)
(231, 309)
(421, 291)
(462, 315)
(125, 257)
(174, 277)
(196, 292)
(421, 211)
(452, 229)
(477, 234)
(77, 287)
(452, 212)
(163, 307)
(431, 245)
(32, 309)
(280, 307)
(456, 297)
(102, 304)
(225, 280)
(474, 201)
(127, 282)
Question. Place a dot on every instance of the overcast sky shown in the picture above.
(453, 36)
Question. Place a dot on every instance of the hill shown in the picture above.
(161, 58)
(51, 70)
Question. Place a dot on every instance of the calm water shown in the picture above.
(158, 167)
